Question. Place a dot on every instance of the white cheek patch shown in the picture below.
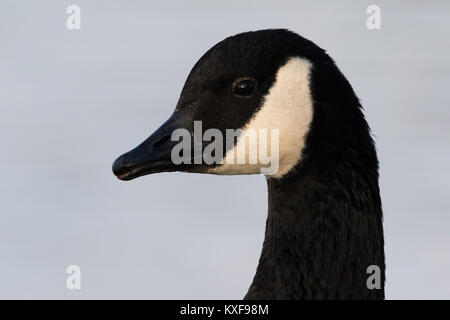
(287, 109)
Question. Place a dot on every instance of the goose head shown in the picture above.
(285, 94)
(253, 83)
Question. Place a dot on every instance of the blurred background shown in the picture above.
(72, 101)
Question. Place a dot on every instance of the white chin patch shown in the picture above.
(286, 110)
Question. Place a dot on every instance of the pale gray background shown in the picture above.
(72, 101)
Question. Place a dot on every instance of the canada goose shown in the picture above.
(324, 225)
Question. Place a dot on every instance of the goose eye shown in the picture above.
(244, 87)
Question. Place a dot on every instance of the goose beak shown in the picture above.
(154, 154)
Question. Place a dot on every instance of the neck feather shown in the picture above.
(324, 228)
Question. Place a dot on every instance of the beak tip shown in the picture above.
(117, 165)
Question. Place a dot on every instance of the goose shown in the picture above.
(324, 225)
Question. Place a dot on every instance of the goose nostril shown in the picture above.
(161, 141)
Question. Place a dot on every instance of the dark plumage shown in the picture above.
(324, 226)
